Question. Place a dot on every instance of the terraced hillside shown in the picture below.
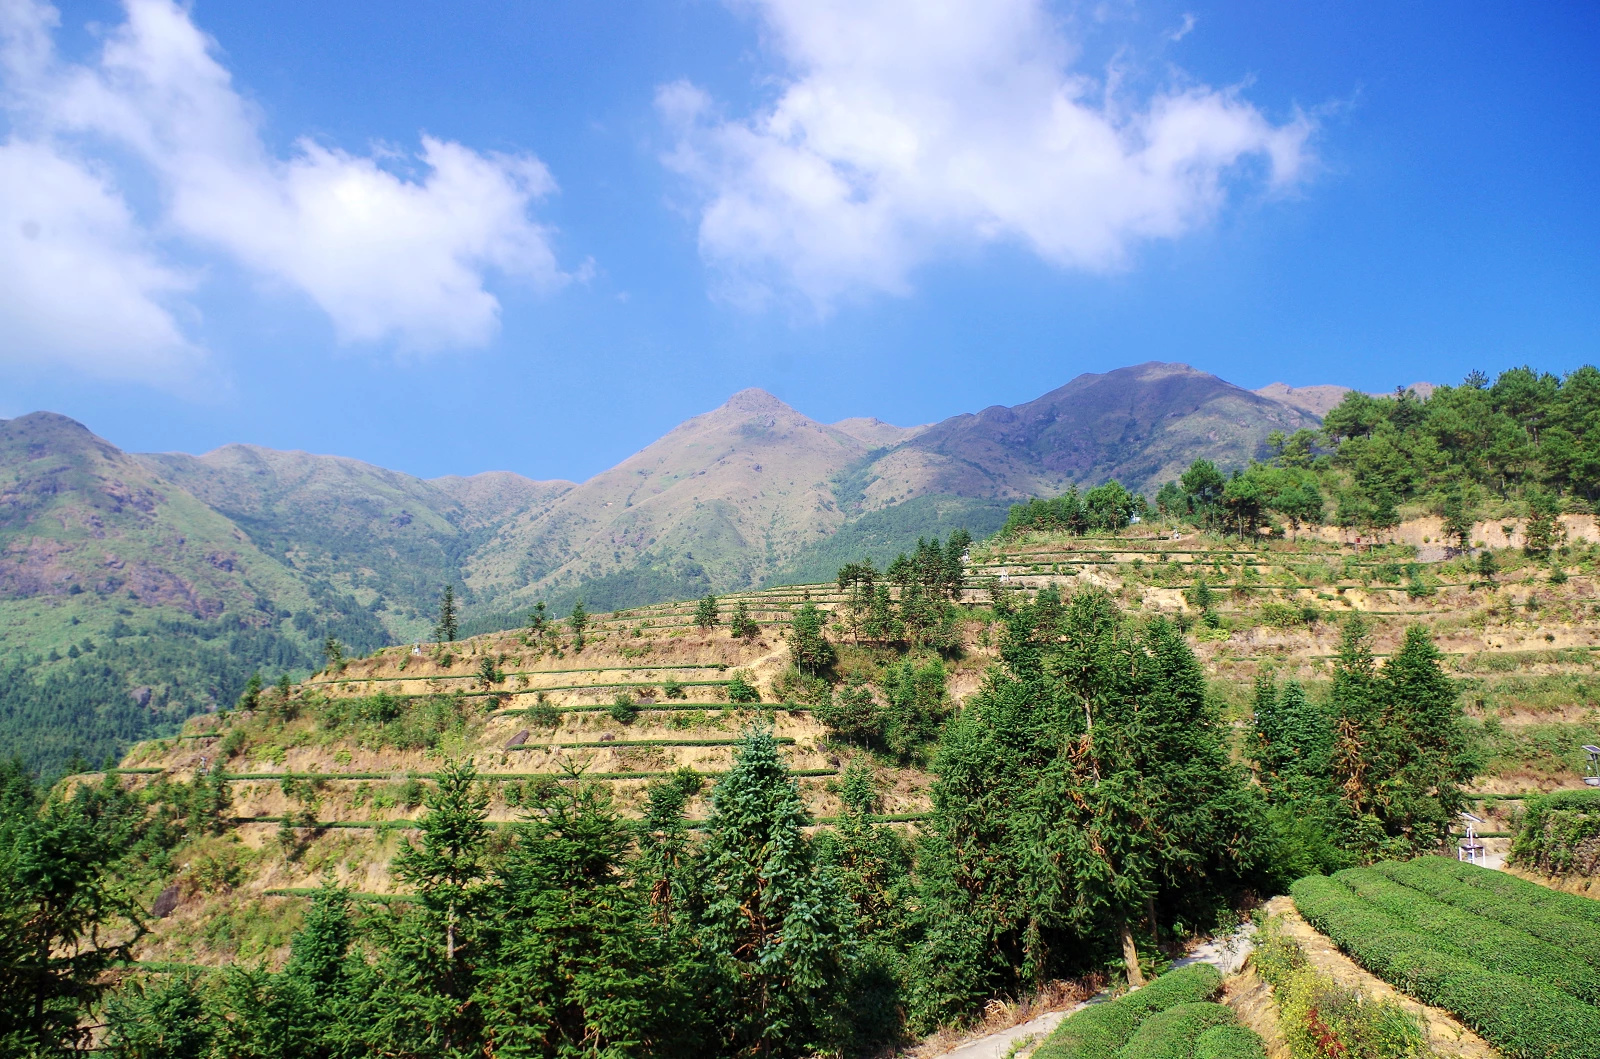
(325, 781)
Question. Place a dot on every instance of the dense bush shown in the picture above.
(1100, 1031)
(1560, 833)
(1174, 1033)
(1229, 1042)
(1521, 1017)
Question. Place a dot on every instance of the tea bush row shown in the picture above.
(1100, 1031)
(1523, 1018)
(1447, 881)
(1492, 945)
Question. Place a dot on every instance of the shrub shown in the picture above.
(1320, 1017)
(1448, 881)
(623, 709)
(742, 690)
(1101, 1030)
(1560, 833)
(1491, 945)
(1173, 1033)
(672, 689)
(1229, 1042)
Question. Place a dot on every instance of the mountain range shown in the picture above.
(273, 551)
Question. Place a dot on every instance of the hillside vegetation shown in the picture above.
(245, 558)
(898, 731)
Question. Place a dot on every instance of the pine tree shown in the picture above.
(773, 923)
(449, 867)
(705, 612)
(576, 969)
(445, 629)
(578, 621)
(1457, 518)
(538, 623)
(250, 698)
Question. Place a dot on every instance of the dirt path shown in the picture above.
(1449, 1037)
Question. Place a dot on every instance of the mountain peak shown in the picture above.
(755, 401)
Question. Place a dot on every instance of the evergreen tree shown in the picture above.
(576, 970)
(853, 715)
(664, 868)
(1544, 532)
(915, 706)
(430, 957)
(1457, 520)
(250, 698)
(773, 923)
(1400, 752)
(488, 673)
(162, 1018)
(578, 621)
(445, 629)
(449, 867)
(809, 648)
(538, 623)
(65, 918)
(1084, 796)
(705, 612)
(333, 651)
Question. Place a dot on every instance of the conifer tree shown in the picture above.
(449, 867)
(809, 648)
(705, 612)
(576, 971)
(578, 621)
(538, 624)
(431, 956)
(163, 1018)
(771, 920)
(250, 698)
(445, 629)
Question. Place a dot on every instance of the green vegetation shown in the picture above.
(1102, 1031)
(1526, 997)
(1321, 1018)
(1105, 508)
(1560, 833)
(446, 628)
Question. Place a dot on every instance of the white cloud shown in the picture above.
(82, 288)
(905, 131)
(396, 249)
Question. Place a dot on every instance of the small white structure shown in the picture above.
(416, 650)
(1470, 849)
(1591, 775)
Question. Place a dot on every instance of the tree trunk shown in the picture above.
(1130, 956)
(1155, 927)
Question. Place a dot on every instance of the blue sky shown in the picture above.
(224, 222)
